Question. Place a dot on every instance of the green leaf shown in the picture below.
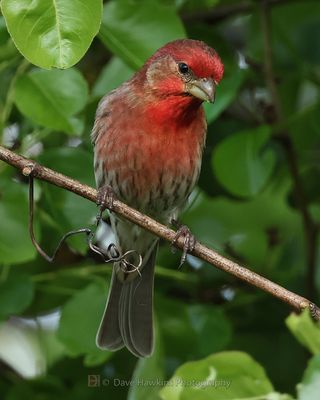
(52, 33)
(208, 328)
(112, 75)
(306, 331)
(279, 396)
(134, 30)
(241, 163)
(241, 225)
(80, 320)
(16, 294)
(309, 388)
(212, 329)
(14, 221)
(225, 93)
(52, 98)
(226, 375)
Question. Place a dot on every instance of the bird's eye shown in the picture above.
(183, 68)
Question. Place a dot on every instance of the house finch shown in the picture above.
(148, 138)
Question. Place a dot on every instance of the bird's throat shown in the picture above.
(175, 111)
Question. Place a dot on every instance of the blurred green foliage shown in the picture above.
(216, 338)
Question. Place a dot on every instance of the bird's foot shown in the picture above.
(188, 243)
(105, 199)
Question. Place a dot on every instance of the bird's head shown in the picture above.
(184, 68)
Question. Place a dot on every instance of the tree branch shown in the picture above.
(204, 253)
(284, 138)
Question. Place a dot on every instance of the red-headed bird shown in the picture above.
(148, 138)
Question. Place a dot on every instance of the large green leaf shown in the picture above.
(226, 375)
(52, 98)
(306, 331)
(241, 164)
(52, 33)
(134, 30)
(309, 388)
(80, 320)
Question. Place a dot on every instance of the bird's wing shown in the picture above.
(103, 114)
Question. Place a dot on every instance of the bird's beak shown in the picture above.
(204, 89)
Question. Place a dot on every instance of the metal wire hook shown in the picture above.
(127, 267)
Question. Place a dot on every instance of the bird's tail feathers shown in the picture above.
(128, 316)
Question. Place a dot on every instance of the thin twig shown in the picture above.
(204, 253)
(284, 138)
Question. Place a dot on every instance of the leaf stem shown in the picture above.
(89, 271)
